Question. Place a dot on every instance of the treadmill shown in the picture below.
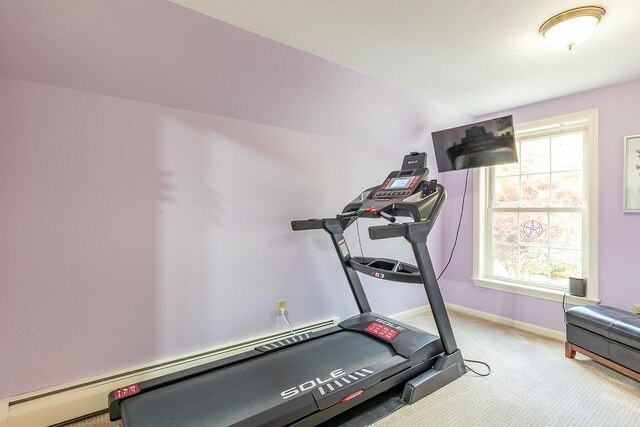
(308, 378)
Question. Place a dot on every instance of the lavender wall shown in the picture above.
(619, 233)
(165, 54)
(132, 230)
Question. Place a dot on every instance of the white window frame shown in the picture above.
(481, 225)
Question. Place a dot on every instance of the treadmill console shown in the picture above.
(407, 192)
(398, 186)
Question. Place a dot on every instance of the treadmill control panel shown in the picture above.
(407, 192)
(398, 186)
(383, 331)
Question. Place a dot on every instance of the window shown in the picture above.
(535, 221)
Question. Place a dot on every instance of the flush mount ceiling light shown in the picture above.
(571, 27)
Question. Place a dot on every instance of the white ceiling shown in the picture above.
(480, 56)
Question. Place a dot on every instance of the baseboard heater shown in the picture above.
(82, 398)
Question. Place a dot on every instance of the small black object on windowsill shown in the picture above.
(577, 287)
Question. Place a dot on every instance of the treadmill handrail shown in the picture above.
(378, 232)
(330, 225)
(307, 224)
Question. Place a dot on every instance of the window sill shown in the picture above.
(534, 291)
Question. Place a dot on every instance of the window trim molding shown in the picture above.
(589, 229)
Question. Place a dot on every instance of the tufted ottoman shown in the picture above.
(608, 335)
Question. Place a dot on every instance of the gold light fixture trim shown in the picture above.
(579, 12)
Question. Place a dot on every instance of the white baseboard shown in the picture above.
(69, 401)
(403, 315)
(4, 413)
(538, 330)
(529, 327)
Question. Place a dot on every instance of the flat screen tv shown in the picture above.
(487, 143)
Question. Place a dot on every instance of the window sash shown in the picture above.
(523, 136)
(577, 127)
(548, 246)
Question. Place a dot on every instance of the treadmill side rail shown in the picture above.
(289, 340)
(348, 385)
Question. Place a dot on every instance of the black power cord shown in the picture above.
(359, 241)
(480, 363)
(455, 242)
(564, 308)
(466, 181)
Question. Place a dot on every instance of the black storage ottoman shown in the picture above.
(608, 335)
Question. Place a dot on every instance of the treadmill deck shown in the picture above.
(249, 388)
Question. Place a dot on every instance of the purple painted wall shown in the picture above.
(123, 239)
(165, 54)
(619, 233)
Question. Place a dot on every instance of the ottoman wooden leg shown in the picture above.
(568, 350)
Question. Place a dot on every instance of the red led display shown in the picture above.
(123, 392)
(382, 331)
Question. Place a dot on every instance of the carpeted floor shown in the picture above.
(531, 384)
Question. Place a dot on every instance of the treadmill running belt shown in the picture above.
(232, 394)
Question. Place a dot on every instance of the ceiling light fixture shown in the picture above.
(571, 27)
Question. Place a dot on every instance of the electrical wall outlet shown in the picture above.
(635, 308)
(282, 306)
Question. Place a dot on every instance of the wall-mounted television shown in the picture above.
(487, 143)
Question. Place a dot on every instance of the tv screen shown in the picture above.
(487, 143)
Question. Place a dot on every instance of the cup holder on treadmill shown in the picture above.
(385, 268)
(382, 265)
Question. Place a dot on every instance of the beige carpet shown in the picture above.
(531, 384)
